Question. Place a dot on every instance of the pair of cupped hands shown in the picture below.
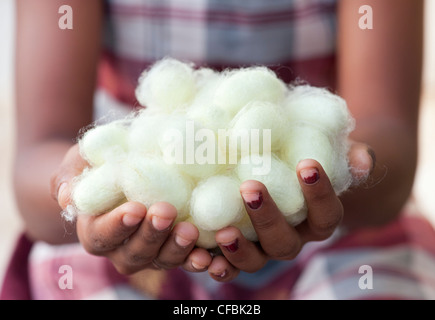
(135, 237)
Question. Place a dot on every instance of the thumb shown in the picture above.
(362, 161)
(61, 181)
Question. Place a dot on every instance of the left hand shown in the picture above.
(277, 239)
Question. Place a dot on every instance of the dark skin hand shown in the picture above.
(378, 74)
(135, 238)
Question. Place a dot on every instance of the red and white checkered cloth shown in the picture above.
(296, 38)
(396, 261)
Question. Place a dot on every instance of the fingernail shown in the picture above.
(310, 175)
(130, 220)
(221, 274)
(182, 242)
(254, 200)
(62, 196)
(232, 246)
(160, 223)
(197, 266)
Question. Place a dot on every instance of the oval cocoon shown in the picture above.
(168, 85)
(281, 182)
(103, 143)
(203, 110)
(97, 190)
(144, 133)
(209, 116)
(216, 203)
(149, 180)
(245, 85)
(206, 238)
(319, 107)
(341, 177)
(308, 142)
(263, 123)
(192, 149)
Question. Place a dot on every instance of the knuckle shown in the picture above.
(96, 245)
(263, 223)
(321, 196)
(99, 244)
(285, 252)
(128, 264)
(326, 227)
(165, 264)
(171, 259)
(153, 238)
(138, 258)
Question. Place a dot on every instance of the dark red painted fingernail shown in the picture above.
(254, 200)
(232, 247)
(310, 175)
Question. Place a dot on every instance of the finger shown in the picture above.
(198, 260)
(362, 161)
(325, 210)
(178, 246)
(144, 245)
(240, 252)
(221, 270)
(100, 234)
(60, 184)
(278, 239)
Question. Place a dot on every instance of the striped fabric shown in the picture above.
(396, 261)
(296, 38)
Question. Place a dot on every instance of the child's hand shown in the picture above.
(277, 239)
(135, 238)
(131, 236)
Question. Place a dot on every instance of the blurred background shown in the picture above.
(10, 225)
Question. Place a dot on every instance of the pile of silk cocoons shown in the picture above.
(200, 133)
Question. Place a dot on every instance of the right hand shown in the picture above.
(132, 236)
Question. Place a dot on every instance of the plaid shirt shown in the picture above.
(396, 261)
(296, 38)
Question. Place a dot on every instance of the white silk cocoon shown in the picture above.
(149, 180)
(201, 133)
(104, 143)
(281, 182)
(216, 203)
